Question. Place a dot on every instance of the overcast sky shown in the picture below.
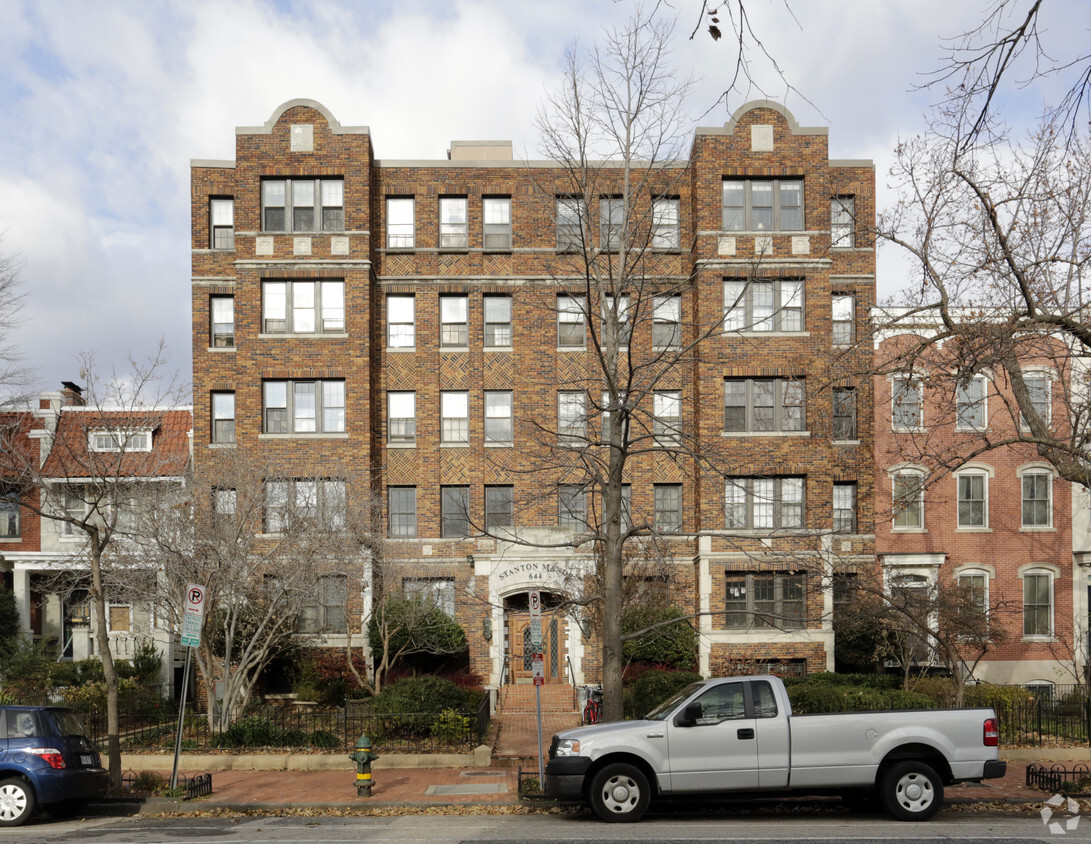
(105, 103)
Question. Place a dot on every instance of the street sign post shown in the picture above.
(535, 600)
(536, 621)
(193, 613)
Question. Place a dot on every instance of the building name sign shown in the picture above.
(533, 570)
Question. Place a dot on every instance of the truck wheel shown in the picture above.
(17, 802)
(911, 791)
(620, 793)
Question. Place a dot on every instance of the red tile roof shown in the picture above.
(71, 456)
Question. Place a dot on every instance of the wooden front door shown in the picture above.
(521, 655)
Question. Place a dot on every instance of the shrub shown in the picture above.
(148, 783)
(415, 626)
(324, 739)
(451, 728)
(417, 700)
(673, 645)
(253, 731)
(1003, 699)
(656, 686)
(292, 738)
(826, 697)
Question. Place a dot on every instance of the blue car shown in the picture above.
(46, 760)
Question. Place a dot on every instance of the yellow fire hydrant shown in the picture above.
(363, 756)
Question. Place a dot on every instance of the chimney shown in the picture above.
(72, 393)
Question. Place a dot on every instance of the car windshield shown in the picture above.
(67, 723)
(664, 709)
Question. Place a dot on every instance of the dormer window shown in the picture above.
(118, 439)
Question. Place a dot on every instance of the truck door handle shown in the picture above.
(746, 732)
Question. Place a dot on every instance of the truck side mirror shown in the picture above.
(690, 715)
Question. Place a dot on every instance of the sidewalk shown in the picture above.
(242, 790)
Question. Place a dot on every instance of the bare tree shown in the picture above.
(279, 561)
(95, 462)
(15, 374)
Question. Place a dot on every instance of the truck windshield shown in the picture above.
(661, 712)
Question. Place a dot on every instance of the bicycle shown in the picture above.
(592, 711)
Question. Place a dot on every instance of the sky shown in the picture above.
(107, 102)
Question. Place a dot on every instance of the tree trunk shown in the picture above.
(109, 670)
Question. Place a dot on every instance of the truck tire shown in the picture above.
(620, 793)
(911, 791)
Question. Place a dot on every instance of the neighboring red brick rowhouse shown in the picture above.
(491, 578)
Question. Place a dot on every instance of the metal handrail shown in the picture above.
(572, 677)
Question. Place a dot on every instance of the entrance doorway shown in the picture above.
(520, 652)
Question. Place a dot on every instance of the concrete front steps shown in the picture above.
(517, 722)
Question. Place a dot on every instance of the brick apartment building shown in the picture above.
(380, 330)
(1003, 522)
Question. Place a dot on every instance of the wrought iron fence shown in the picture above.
(286, 727)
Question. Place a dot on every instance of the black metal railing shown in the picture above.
(1057, 778)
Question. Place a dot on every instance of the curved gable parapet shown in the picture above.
(334, 125)
(779, 108)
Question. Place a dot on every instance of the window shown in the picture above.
(763, 503)
(665, 223)
(9, 515)
(73, 506)
(304, 407)
(1037, 604)
(908, 500)
(303, 205)
(616, 308)
(569, 223)
(775, 205)
(572, 507)
(499, 507)
(454, 230)
(571, 418)
(221, 213)
(303, 307)
(454, 325)
(498, 412)
(668, 506)
(1038, 387)
(295, 502)
(222, 316)
(454, 511)
(763, 305)
(626, 508)
(607, 411)
(843, 222)
(225, 504)
(437, 592)
(119, 618)
(844, 508)
(399, 222)
(400, 319)
(571, 322)
(611, 221)
(223, 417)
(766, 600)
(117, 439)
(844, 319)
(972, 504)
(401, 418)
(401, 511)
(667, 322)
(905, 403)
(497, 322)
(667, 417)
(844, 413)
(328, 614)
(757, 405)
(1037, 507)
(454, 417)
(496, 216)
(970, 404)
(976, 588)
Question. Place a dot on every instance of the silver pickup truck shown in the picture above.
(738, 734)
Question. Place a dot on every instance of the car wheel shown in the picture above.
(620, 793)
(17, 802)
(911, 791)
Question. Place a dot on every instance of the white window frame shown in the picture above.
(221, 319)
(401, 316)
(404, 404)
(624, 322)
(1037, 570)
(222, 405)
(666, 223)
(663, 494)
(571, 418)
(406, 529)
(327, 204)
(287, 499)
(454, 322)
(839, 412)
(750, 614)
(454, 223)
(329, 409)
(765, 503)
(779, 189)
(912, 383)
(569, 223)
(572, 310)
(454, 413)
(499, 406)
(119, 439)
(498, 332)
(110, 607)
(667, 319)
(896, 473)
(292, 307)
(612, 213)
(328, 614)
(976, 404)
(572, 507)
(507, 493)
(221, 223)
(438, 592)
(1035, 470)
(843, 308)
(842, 222)
(11, 524)
(400, 222)
(667, 418)
(1046, 377)
(968, 473)
(455, 496)
(976, 571)
(765, 306)
(496, 232)
(841, 506)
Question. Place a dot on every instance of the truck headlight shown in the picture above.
(568, 747)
